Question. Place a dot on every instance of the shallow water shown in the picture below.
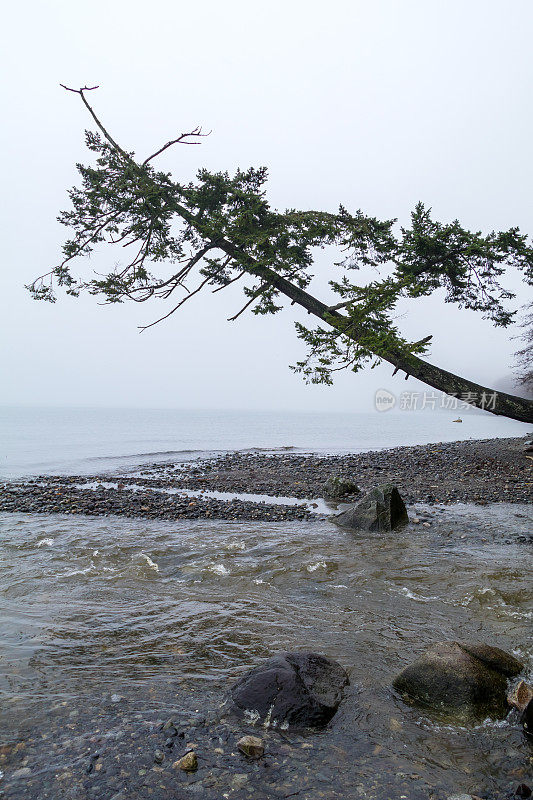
(91, 608)
(317, 503)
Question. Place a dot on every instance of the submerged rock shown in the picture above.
(382, 509)
(469, 678)
(291, 690)
(336, 487)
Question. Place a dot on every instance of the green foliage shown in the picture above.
(467, 265)
(222, 229)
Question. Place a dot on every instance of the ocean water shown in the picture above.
(45, 440)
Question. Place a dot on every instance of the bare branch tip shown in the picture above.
(79, 91)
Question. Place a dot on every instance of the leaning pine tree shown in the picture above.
(223, 230)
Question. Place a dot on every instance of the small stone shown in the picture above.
(24, 772)
(239, 780)
(169, 743)
(159, 756)
(188, 762)
(251, 746)
(520, 696)
(116, 698)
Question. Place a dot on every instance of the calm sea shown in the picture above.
(90, 440)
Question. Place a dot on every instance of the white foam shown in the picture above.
(149, 562)
(74, 572)
(45, 543)
(418, 597)
(251, 716)
(314, 567)
(219, 569)
(235, 546)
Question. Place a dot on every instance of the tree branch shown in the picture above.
(93, 115)
(180, 140)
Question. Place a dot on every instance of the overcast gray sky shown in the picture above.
(375, 105)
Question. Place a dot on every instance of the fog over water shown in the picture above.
(375, 105)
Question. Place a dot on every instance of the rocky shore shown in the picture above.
(485, 471)
(490, 470)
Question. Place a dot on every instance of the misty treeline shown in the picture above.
(219, 230)
(524, 356)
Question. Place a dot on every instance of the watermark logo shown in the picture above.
(419, 401)
(384, 400)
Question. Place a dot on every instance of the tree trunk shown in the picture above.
(499, 403)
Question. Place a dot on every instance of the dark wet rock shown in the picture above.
(382, 509)
(291, 690)
(469, 678)
(494, 657)
(336, 487)
(159, 756)
(523, 790)
(527, 720)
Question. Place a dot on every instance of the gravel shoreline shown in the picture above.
(481, 471)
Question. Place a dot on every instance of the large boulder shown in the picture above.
(336, 487)
(291, 690)
(465, 678)
(382, 509)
